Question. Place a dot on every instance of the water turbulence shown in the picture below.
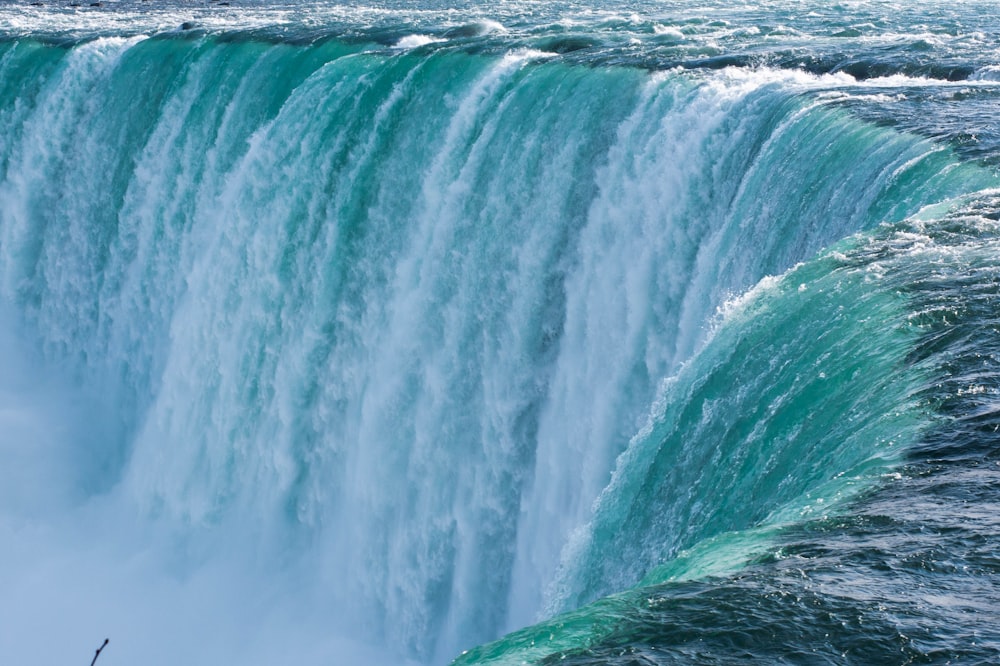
(898, 397)
(335, 345)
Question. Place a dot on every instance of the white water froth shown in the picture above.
(415, 41)
(76, 570)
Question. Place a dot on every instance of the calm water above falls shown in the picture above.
(616, 333)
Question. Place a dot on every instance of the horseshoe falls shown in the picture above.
(499, 333)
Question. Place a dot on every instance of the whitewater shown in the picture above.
(499, 333)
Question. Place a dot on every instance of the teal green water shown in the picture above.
(846, 571)
(647, 335)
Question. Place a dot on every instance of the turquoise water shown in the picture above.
(592, 334)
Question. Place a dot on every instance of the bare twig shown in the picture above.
(98, 653)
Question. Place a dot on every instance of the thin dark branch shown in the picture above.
(98, 653)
